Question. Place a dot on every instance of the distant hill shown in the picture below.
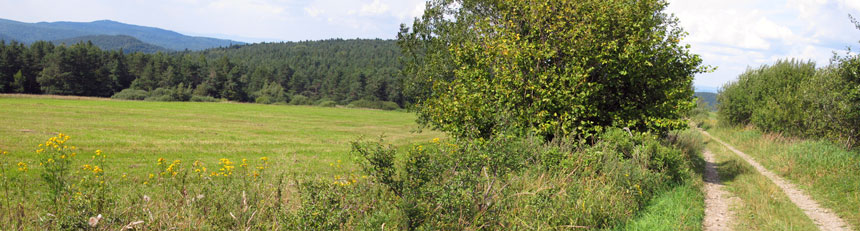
(115, 42)
(52, 31)
(3, 37)
(707, 97)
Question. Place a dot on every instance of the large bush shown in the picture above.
(795, 98)
(548, 67)
(768, 96)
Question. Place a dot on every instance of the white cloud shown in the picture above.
(374, 8)
(313, 11)
(736, 34)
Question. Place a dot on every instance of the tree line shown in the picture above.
(332, 71)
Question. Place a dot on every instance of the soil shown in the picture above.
(717, 213)
(824, 218)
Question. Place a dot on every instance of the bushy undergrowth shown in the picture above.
(179, 93)
(373, 104)
(795, 98)
(506, 182)
(509, 182)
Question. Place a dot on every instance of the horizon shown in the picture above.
(749, 33)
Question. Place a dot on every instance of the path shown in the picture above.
(823, 217)
(717, 214)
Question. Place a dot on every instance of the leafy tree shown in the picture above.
(548, 67)
(271, 93)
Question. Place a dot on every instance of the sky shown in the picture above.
(731, 35)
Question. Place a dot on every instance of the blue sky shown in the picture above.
(729, 34)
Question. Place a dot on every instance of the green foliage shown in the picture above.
(75, 70)
(382, 105)
(476, 67)
(508, 182)
(197, 98)
(336, 70)
(271, 93)
(326, 103)
(707, 99)
(796, 99)
(115, 42)
(768, 96)
(300, 100)
(131, 94)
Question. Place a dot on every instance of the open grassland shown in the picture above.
(297, 139)
(825, 170)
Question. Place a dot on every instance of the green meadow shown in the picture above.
(134, 134)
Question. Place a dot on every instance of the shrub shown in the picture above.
(131, 94)
(509, 182)
(197, 98)
(271, 93)
(326, 103)
(372, 104)
(795, 98)
(300, 100)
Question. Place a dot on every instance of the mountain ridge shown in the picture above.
(51, 31)
(127, 43)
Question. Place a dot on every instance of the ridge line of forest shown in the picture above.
(336, 70)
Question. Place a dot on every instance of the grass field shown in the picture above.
(298, 139)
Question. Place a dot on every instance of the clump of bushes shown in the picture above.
(796, 98)
(511, 182)
(178, 93)
(300, 100)
(131, 94)
(326, 103)
(271, 93)
(374, 104)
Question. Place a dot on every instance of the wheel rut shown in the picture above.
(824, 218)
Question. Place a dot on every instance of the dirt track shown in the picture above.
(824, 218)
(717, 213)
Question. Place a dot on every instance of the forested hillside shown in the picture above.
(127, 43)
(708, 99)
(339, 70)
(333, 71)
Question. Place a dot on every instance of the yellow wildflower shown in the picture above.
(22, 167)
